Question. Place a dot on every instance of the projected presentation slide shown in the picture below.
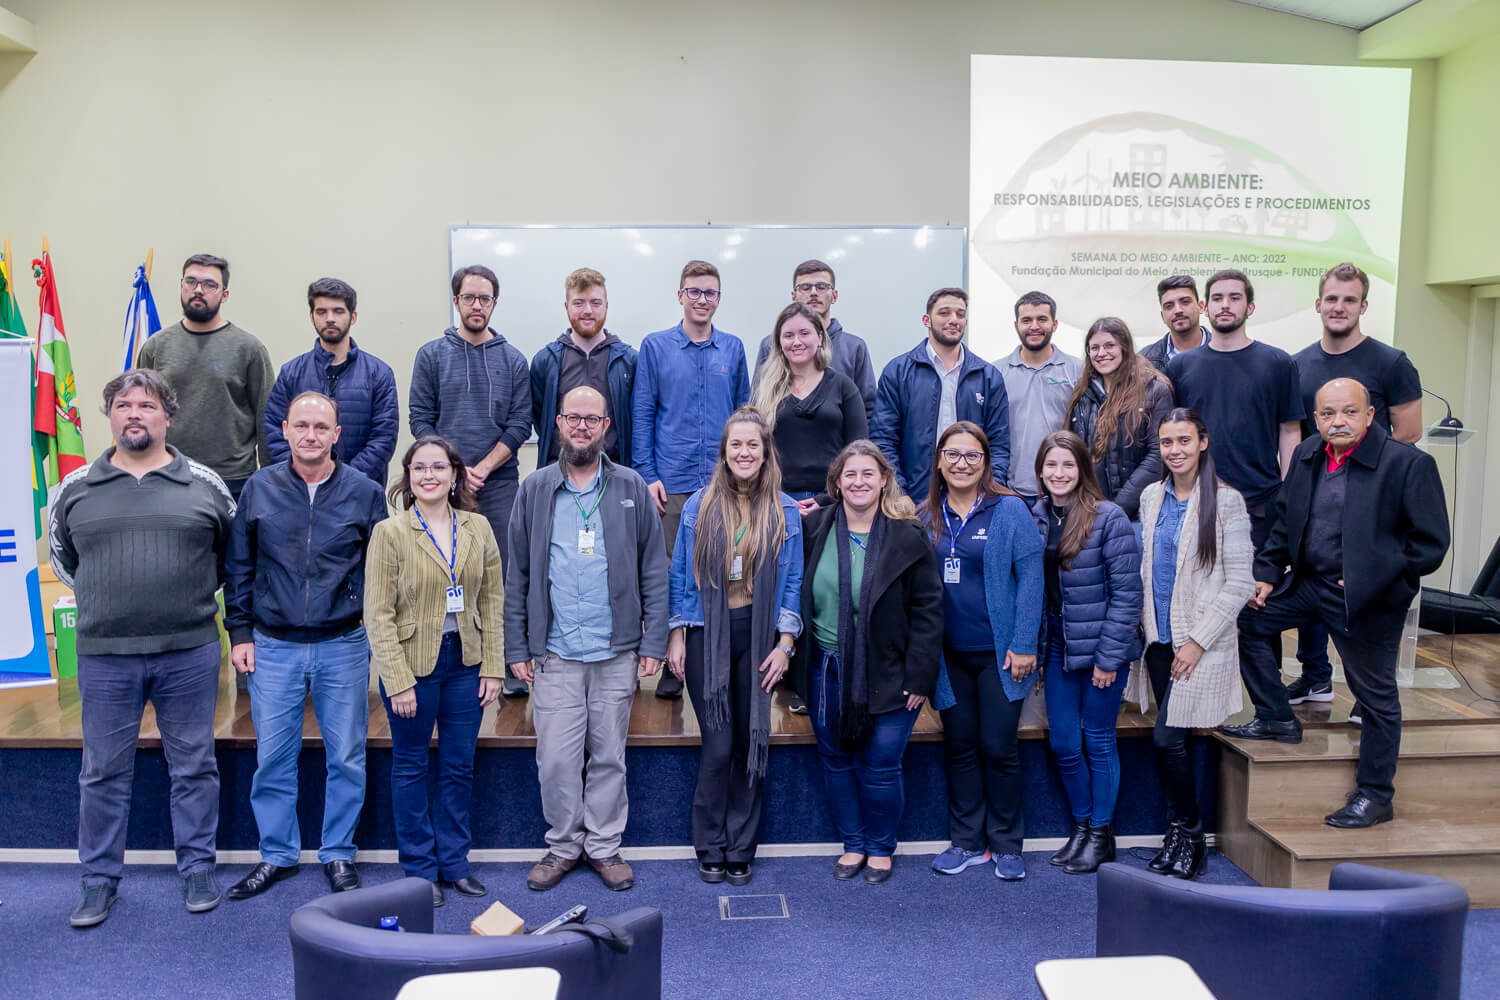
(1092, 179)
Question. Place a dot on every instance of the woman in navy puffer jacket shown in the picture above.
(1090, 635)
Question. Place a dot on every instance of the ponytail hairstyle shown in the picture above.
(1086, 498)
(1208, 488)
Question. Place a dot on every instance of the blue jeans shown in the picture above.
(183, 688)
(434, 842)
(1081, 716)
(866, 790)
(337, 671)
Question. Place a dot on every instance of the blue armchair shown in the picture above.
(338, 949)
(1373, 933)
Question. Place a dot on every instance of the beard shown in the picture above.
(1230, 327)
(583, 457)
(141, 442)
(199, 311)
(333, 336)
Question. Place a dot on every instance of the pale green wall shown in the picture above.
(1465, 238)
(303, 139)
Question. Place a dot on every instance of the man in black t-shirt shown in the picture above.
(1249, 395)
(1395, 392)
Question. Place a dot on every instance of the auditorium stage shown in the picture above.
(40, 741)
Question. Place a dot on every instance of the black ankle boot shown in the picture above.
(1070, 850)
(1191, 857)
(1163, 860)
(1098, 847)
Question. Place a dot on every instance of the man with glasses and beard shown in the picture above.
(585, 602)
(363, 386)
(221, 374)
(140, 537)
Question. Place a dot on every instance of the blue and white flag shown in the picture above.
(141, 320)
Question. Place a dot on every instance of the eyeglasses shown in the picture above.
(1104, 348)
(813, 286)
(207, 284)
(589, 420)
(706, 294)
(484, 300)
(955, 457)
(436, 468)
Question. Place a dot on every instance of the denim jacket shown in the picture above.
(686, 601)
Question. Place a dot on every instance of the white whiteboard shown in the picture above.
(884, 275)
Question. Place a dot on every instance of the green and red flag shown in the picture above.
(56, 391)
(12, 326)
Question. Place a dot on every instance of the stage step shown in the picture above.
(1273, 797)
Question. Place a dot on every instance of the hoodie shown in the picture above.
(472, 395)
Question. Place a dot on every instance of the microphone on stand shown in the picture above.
(1450, 426)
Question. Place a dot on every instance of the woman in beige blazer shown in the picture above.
(1196, 570)
(434, 602)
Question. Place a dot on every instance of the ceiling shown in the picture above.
(1358, 14)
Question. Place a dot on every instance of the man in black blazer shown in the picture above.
(1359, 521)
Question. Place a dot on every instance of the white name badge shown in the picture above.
(950, 570)
(737, 569)
(455, 599)
(585, 541)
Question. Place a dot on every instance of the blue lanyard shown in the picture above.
(453, 551)
(857, 541)
(953, 535)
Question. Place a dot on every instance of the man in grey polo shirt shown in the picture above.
(1039, 380)
(140, 536)
(585, 599)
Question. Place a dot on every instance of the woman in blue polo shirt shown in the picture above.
(991, 557)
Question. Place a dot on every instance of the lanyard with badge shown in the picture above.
(586, 533)
(455, 590)
(737, 565)
(951, 563)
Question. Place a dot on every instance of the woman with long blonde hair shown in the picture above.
(735, 583)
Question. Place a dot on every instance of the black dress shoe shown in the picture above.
(739, 872)
(342, 875)
(1162, 863)
(261, 878)
(1191, 857)
(1266, 729)
(1067, 852)
(437, 895)
(846, 872)
(470, 886)
(711, 872)
(1098, 847)
(668, 686)
(875, 876)
(1361, 811)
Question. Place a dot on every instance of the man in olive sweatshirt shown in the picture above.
(221, 374)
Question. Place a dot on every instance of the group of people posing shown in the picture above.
(945, 535)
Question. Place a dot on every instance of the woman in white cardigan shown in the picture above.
(1196, 567)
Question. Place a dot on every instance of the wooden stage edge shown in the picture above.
(48, 717)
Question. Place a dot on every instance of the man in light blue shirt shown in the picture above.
(688, 380)
(585, 599)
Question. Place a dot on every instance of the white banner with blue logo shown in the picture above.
(23, 639)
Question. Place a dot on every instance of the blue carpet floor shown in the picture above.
(919, 935)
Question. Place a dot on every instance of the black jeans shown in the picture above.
(1173, 765)
(726, 803)
(1263, 682)
(984, 758)
(1368, 646)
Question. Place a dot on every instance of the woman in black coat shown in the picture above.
(1117, 406)
(873, 597)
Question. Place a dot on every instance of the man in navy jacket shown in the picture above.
(1358, 522)
(362, 385)
(294, 607)
(937, 383)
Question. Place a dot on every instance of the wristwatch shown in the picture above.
(790, 651)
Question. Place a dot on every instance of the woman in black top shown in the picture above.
(813, 410)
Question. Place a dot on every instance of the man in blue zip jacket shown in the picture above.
(934, 385)
(585, 354)
(294, 604)
(362, 385)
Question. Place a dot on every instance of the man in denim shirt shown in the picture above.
(585, 599)
(689, 379)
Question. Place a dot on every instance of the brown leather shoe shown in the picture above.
(615, 872)
(549, 871)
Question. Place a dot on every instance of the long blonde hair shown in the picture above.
(776, 376)
(718, 511)
(894, 503)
